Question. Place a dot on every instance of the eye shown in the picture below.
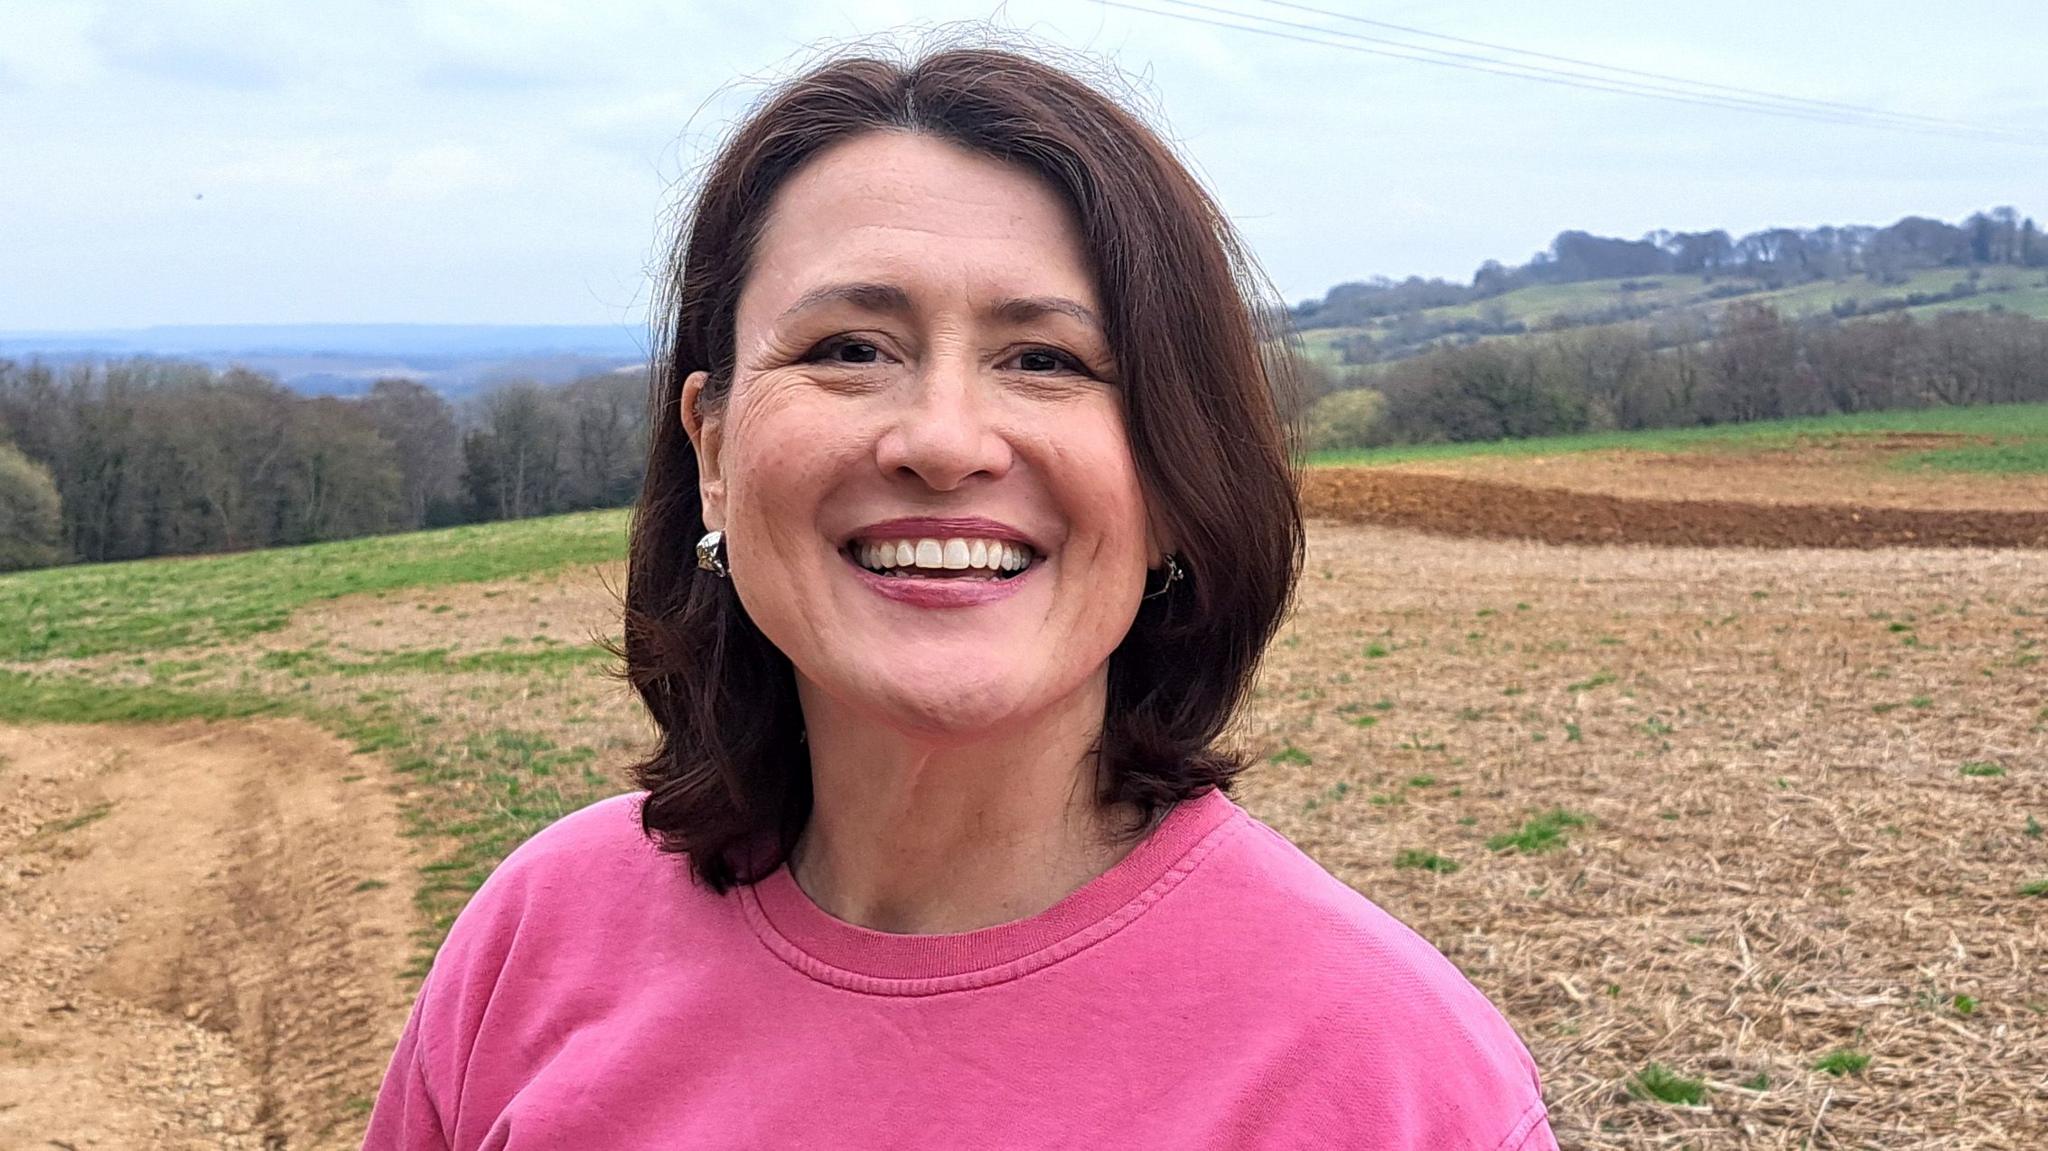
(1039, 361)
(841, 350)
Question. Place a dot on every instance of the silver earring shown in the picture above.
(1173, 576)
(711, 554)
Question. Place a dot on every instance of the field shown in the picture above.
(1744, 834)
(1675, 297)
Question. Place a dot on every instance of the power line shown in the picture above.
(1872, 118)
(1754, 92)
(1398, 50)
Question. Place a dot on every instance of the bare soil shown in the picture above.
(206, 926)
(1847, 468)
(1501, 509)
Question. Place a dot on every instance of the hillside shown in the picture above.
(1675, 300)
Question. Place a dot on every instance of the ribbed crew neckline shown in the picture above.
(834, 951)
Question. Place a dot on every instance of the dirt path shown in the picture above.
(204, 927)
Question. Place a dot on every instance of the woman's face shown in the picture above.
(929, 502)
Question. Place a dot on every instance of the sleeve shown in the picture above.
(406, 1116)
(1533, 1136)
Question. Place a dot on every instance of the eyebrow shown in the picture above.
(1022, 309)
(890, 299)
(871, 296)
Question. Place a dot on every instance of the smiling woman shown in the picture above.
(968, 514)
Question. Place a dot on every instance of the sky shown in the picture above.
(513, 161)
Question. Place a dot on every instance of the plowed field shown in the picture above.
(1832, 492)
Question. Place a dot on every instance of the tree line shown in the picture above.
(1750, 363)
(131, 458)
(1772, 257)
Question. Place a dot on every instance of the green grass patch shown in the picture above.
(54, 698)
(1290, 754)
(146, 605)
(2019, 457)
(2022, 430)
(1983, 770)
(2036, 887)
(1847, 1061)
(551, 657)
(1418, 860)
(1539, 833)
(1667, 1086)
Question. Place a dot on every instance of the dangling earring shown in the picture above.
(711, 554)
(1173, 576)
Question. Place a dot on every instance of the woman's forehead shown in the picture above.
(921, 214)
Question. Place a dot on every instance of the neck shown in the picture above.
(915, 835)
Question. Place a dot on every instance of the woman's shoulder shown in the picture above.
(608, 827)
(1353, 972)
(583, 880)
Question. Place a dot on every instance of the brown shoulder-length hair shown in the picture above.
(1205, 407)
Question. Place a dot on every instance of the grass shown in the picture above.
(1661, 1083)
(27, 697)
(2012, 458)
(1846, 1061)
(2022, 428)
(1539, 833)
(1419, 860)
(147, 605)
(553, 656)
(1982, 770)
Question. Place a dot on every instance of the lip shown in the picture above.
(943, 593)
(929, 527)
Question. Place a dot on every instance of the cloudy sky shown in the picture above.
(464, 161)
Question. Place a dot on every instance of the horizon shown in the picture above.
(17, 335)
(464, 166)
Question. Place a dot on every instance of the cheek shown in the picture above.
(1101, 483)
(782, 454)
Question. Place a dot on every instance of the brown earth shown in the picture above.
(206, 926)
(1499, 509)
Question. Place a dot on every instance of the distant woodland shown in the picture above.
(124, 459)
(1750, 363)
(1420, 361)
(1769, 259)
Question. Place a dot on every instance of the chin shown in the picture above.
(945, 705)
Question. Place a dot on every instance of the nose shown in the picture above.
(941, 431)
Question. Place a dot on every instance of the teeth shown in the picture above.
(953, 554)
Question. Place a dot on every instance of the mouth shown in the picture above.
(956, 558)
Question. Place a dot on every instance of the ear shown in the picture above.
(707, 434)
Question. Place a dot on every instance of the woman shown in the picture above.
(967, 519)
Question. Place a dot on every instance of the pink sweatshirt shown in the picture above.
(1215, 988)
